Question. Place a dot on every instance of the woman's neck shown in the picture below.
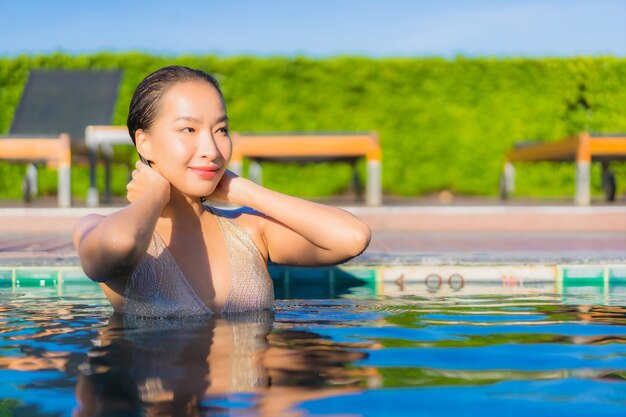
(182, 210)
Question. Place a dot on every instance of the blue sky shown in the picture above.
(316, 27)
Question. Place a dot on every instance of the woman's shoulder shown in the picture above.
(84, 225)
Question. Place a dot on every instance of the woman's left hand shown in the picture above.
(230, 189)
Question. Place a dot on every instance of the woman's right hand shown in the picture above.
(111, 246)
(145, 179)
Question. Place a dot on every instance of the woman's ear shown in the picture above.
(144, 144)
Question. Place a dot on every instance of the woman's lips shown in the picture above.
(205, 172)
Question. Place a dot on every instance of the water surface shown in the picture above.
(63, 352)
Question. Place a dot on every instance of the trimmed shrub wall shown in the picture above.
(443, 124)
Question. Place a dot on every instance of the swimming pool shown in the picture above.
(413, 342)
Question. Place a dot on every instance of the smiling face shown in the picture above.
(188, 143)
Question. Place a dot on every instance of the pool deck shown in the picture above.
(402, 235)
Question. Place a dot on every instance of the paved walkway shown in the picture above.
(401, 235)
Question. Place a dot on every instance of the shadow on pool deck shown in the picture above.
(482, 231)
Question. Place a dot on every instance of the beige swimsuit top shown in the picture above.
(158, 287)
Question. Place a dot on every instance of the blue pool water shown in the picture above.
(63, 353)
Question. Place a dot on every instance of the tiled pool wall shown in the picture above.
(384, 280)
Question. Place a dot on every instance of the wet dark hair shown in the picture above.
(145, 102)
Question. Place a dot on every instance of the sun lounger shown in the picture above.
(101, 140)
(313, 147)
(581, 149)
(55, 106)
(51, 151)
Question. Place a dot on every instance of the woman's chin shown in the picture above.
(199, 194)
(195, 191)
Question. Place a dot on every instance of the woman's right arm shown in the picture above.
(110, 246)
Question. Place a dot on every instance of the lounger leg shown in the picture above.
(92, 193)
(235, 167)
(608, 182)
(507, 186)
(373, 189)
(107, 178)
(255, 172)
(30, 183)
(583, 170)
(356, 181)
(65, 186)
(583, 184)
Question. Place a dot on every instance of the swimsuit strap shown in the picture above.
(232, 230)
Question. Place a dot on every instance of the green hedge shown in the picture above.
(443, 124)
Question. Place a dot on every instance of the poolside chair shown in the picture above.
(583, 149)
(56, 106)
(311, 147)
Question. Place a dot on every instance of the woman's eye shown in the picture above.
(187, 129)
(223, 130)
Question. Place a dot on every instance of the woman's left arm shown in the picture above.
(297, 231)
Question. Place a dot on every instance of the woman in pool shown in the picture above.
(168, 254)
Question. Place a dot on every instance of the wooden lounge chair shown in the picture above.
(50, 120)
(313, 147)
(100, 139)
(582, 149)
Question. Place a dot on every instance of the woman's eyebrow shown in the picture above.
(189, 119)
(223, 118)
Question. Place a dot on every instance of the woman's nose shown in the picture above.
(207, 147)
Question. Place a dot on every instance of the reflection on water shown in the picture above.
(186, 366)
(166, 365)
(397, 356)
